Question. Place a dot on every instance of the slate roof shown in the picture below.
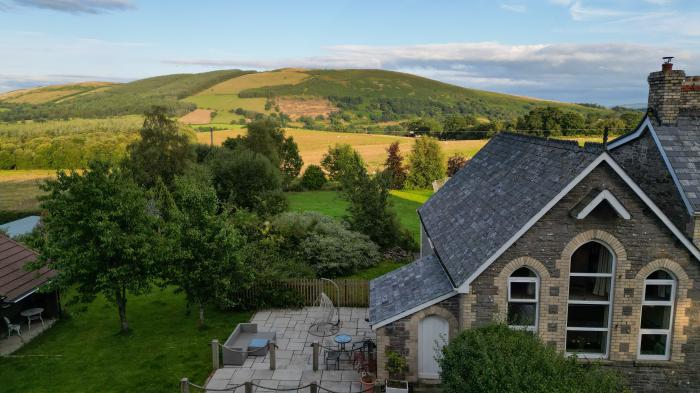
(15, 281)
(506, 183)
(407, 287)
(682, 146)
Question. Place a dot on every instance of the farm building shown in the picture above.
(594, 248)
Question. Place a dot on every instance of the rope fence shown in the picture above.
(313, 387)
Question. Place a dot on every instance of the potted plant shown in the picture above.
(367, 380)
(396, 366)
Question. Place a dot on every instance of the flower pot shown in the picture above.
(367, 381)
(394, 386)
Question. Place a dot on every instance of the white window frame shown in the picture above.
(667, 332)
(536, 300)
(609, 303)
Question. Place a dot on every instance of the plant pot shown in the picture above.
(394, 386)
(367, 381)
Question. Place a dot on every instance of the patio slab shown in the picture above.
(294, 354)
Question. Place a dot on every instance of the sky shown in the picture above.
(568, 50)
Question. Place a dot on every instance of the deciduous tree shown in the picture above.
(394, 167)
(425, 163)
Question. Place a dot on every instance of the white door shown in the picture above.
(433, 334)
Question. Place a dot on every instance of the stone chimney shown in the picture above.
(671, 93)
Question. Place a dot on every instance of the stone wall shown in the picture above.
(402, 336)
(640, 245)
(671, 92)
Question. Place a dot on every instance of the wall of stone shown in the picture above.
(640, 245)
(402, 336)
(665, 95)
(642, 161)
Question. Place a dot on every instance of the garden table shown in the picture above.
(33, 314)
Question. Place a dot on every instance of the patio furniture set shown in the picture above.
(246, 341)
(32, 314)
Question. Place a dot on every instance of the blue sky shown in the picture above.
(581, 51)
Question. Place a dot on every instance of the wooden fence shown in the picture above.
(350, 293)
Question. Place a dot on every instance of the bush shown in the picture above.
(425, 163)
(324, 244)
(499, 359)
(313, 178)
(248, 180)
(343, 163)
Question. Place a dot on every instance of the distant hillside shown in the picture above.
(374, 95)
(114, 100)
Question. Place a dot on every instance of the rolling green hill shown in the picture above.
(374, 95)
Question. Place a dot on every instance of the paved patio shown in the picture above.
(294, 355)
(11, 344)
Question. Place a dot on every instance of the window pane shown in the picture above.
(659, 275)
(658, 292)
(586, 342)
(653, 344)
(523, 272)
(587, 315)
(523, 290)
(522, 314)
(589, 288)
(591, 258)
(656, 317)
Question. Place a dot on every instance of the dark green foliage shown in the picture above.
(99, 235)
(163, 152)
(498, 359)
(394, 167)
(266, 137)
(552, 121)
(425, 163)
(313, 178)
(343, 163)
(455, 163)
(370, 212)
(324, 244)
(128, 98)
(396, 365)
(203, 258)
(247, 180)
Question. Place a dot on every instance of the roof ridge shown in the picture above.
(545, 141)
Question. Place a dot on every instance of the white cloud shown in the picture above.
(77, 6)
(519, 8)
(605, 73)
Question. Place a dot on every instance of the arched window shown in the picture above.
(657, 316)
(589, 309)
(523, 297)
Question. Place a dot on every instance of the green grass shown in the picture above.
(330, 203)
(88, 355)
(225, 102)
(375, 271)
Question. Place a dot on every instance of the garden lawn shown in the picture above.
(164, 346)
(330, 203)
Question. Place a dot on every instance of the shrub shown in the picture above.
(324, 244)
(455, 163)
(343, 163)
(499, 359)
(313, 178)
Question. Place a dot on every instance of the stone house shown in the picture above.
(594, 248)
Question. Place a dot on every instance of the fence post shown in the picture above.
(248, 387)
(215, 354)
(273, 361)
(184, 385)
(315, 359)
(314, 387)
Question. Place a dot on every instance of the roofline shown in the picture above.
(647, 124)
(604, 157)
(604, 195)
(413, 310)
(437, 255)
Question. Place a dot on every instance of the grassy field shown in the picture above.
(19, 188)
(330, 203)
(85, 353)
(224, 103)
(314, 144)
(41, 95)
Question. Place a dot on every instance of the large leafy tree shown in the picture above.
(204, 260)
(266, 137)
(100, 235)
(164, 150)
(343, 164)
(425, 163)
